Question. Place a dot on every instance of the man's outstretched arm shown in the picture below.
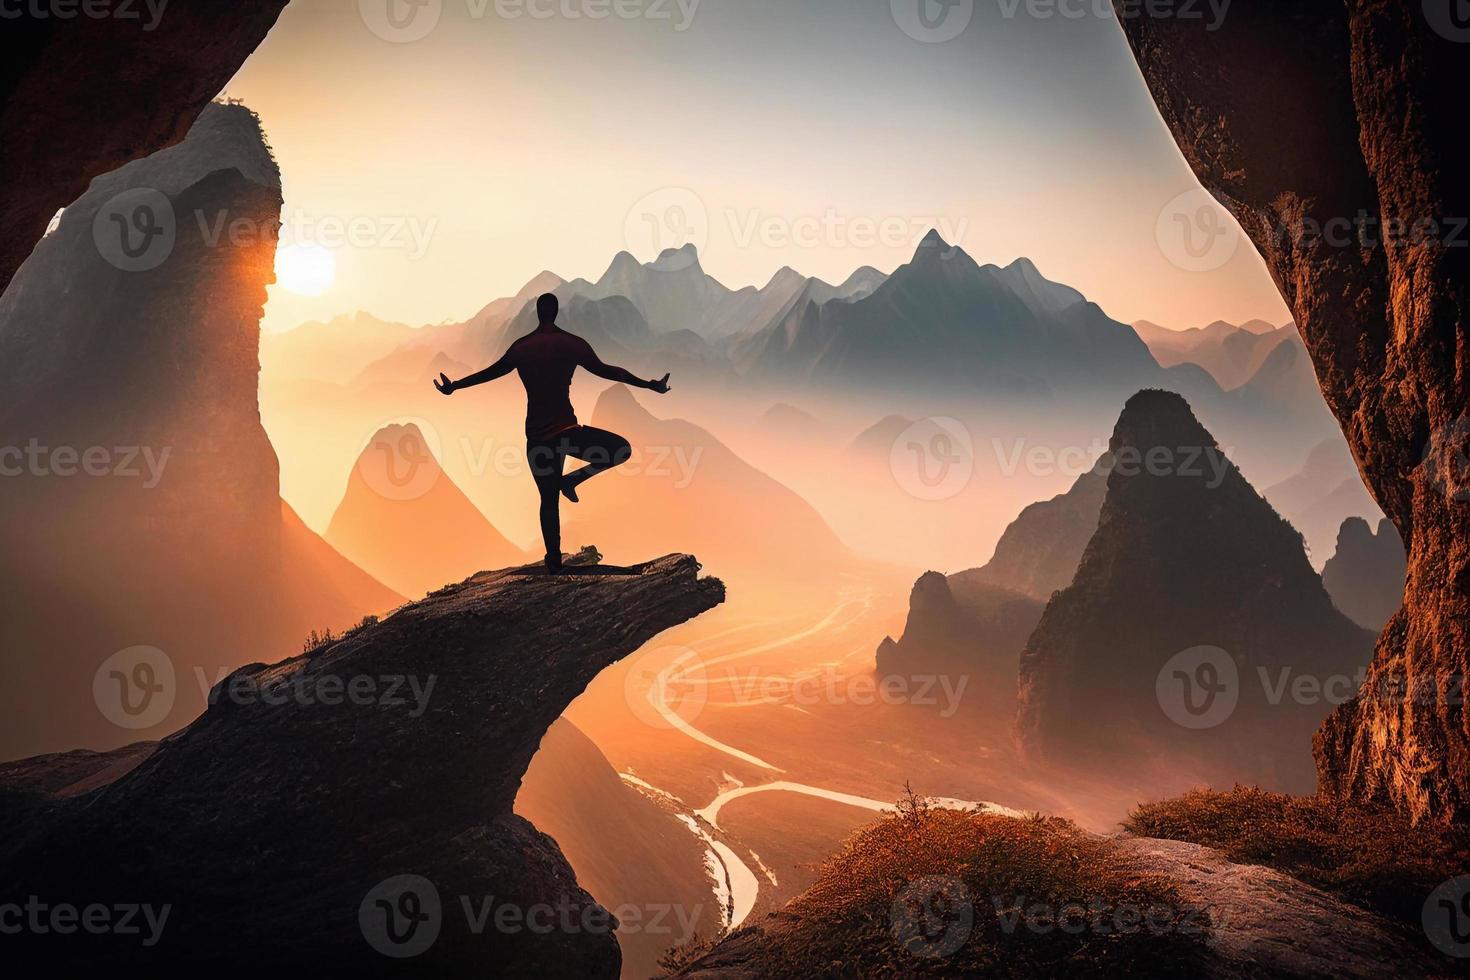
(499, 369)
(610, 372)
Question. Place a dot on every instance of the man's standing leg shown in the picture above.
(546, 461)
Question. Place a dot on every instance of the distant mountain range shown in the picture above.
(1231, 353)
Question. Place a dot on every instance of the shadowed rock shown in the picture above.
(266, 823)
(85, 94)
(1187, 557)
(1301, 116)
(1365, 577)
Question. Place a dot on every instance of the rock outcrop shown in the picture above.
(961, 627)
(84, 94)
(1297, 116)
(1192, 616)
(1365, 577)
(353, 805)
(147, 491)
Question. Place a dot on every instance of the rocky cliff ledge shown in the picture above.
(353, 804)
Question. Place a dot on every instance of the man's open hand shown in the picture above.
(444, 385)
(661, 385)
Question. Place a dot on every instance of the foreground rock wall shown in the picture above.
(1300, 113)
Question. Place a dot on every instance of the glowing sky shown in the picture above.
(518, 135)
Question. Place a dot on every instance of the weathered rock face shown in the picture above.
(278, 826)
(1294, 115)
(147, 490)
(84, 95)
(136, 324)
(1365, 577)
(1191, 616)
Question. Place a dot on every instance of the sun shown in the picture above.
(308, 270)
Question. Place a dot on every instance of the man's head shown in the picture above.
(547, 307)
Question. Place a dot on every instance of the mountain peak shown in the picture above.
(785, 276)
(933, 240)
(674, 259)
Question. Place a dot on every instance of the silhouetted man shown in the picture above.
(546, 358)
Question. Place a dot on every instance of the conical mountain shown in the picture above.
(404, 521)
(1190, 624)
